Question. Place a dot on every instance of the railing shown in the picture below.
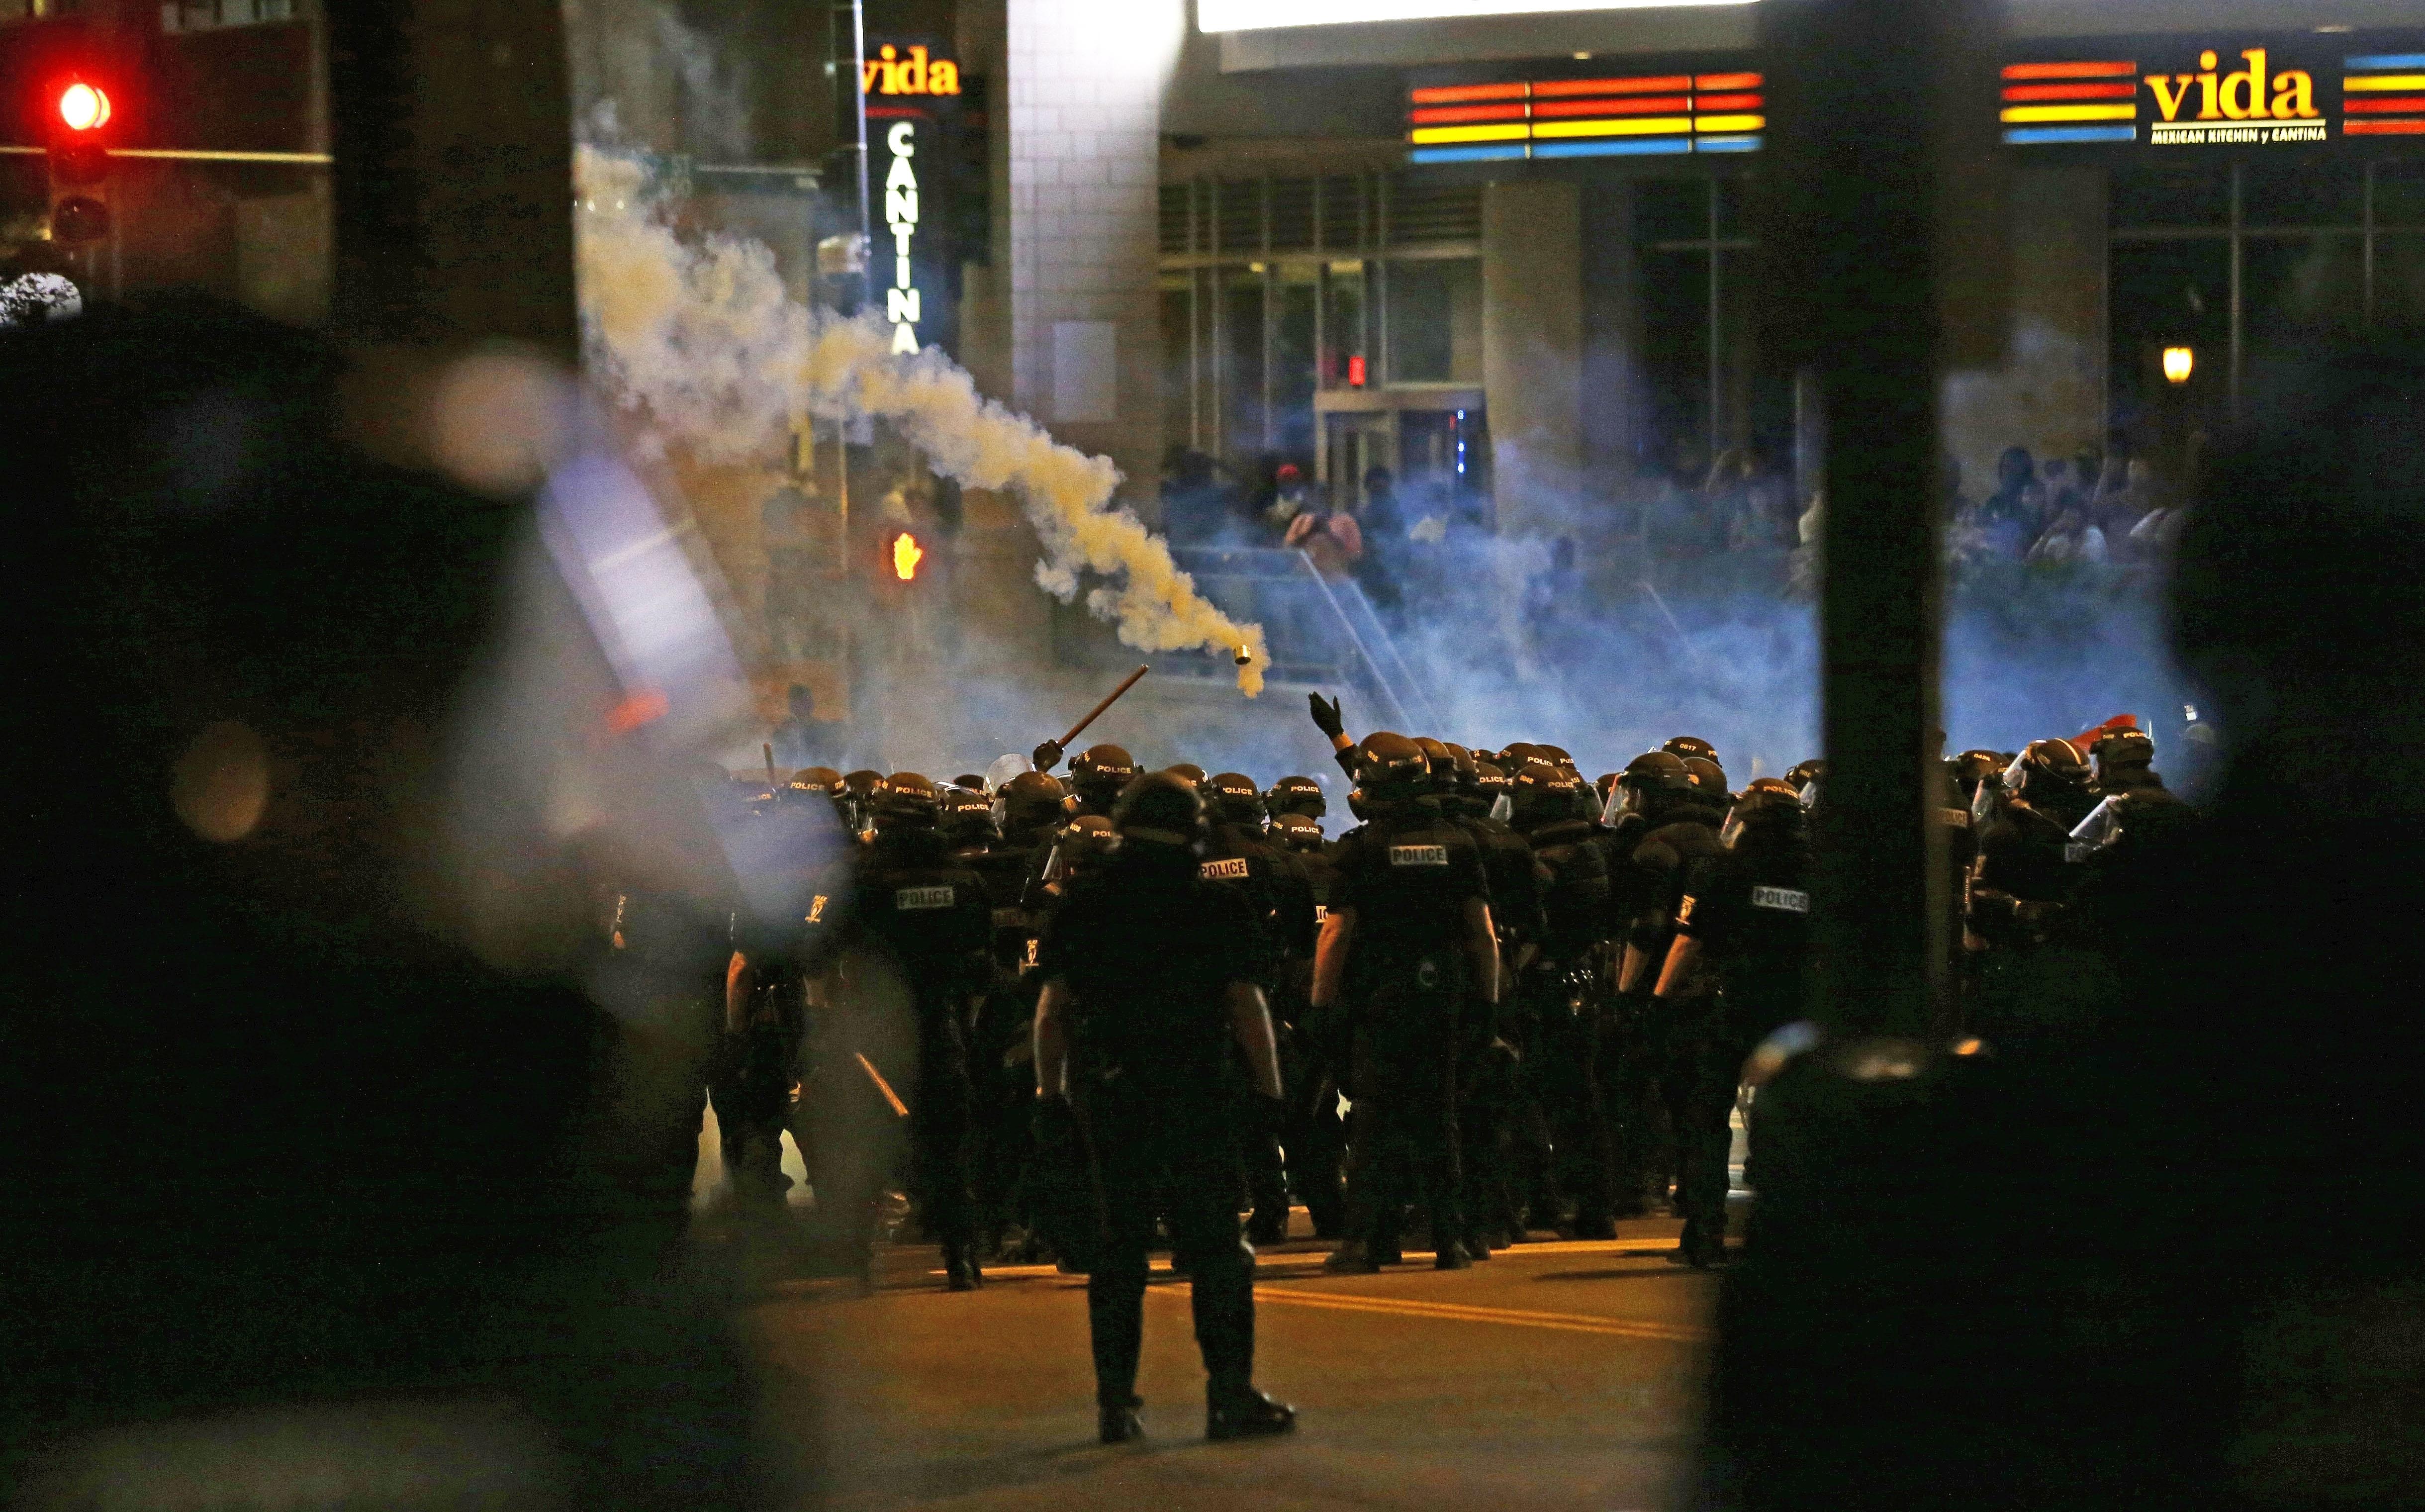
(1320, 630)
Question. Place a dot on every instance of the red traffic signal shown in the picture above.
(906, 554)
(84, 107)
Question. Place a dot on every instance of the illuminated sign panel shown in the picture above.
(2245, 94)
(1644, 115)
(2383, 94)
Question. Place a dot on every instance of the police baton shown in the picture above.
(1048, 754)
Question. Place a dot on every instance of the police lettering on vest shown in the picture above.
(1783, 899)
(1228, 869)
(907, 899)
(1419, 855)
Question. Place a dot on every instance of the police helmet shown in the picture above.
(1708, 777)
(858, 795)
(1493, 780)
(1391, 767)
(1159, 809)
(1436, 762)
(1516, 753)
(1558, 755)
(753, 787)
(1101, 771)
(1296, 833)
(967, 817)
(1296, 795)
(1970, 769)
(1802, 774)
(1187, 772)
(1089, 839)
(1691, 746)
(1769, 801)
(819, 780)
(910, 800)
(1234, 797)
(1462, 767)
(1028, 802)
(2045, 765)
(2124, 750)
(1653, 780)
(970, 782)
(1544, 794)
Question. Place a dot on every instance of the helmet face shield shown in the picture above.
(2102, 827)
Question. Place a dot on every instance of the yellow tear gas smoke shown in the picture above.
(703, 335)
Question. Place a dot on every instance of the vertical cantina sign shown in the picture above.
(902, 298)
(2246, 95)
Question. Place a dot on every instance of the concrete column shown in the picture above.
(2050, 395)
(1084, 86)
(1533, 350)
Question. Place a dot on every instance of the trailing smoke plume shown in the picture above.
(703, 335)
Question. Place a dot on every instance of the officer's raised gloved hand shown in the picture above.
(1047, 756)
(1326, 716)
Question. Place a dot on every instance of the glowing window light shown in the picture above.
(2179, 362)
(906, 554)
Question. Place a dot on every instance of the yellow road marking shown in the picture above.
(1512, 1317)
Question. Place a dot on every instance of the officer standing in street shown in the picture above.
(1562, 1009)
(1745, 920)
(924, 927)
(1407, 948)
(1150, 981)
(1678, 826)
(1276, 890)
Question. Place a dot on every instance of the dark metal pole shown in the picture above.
(452, 130)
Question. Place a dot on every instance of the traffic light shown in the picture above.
(904, 554)
(79, 161)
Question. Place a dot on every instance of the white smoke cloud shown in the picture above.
(703, 336)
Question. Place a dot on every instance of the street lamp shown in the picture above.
(2179, 360)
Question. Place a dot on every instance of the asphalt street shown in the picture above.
(1558, 1375)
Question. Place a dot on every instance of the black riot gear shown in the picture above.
(1655, 782)
(1803, 774)
(1098, 774)
(1187, 772)
(1691, 746)
(1296, 795)
(2124, 758)
(1297, 833)
(2051, 777)
(1027, 805)
(858, 795)
(1437, 758)
(1769, 803)
(967, 818)
(1971, 768)
(822, 781)
(1709, 778)
(1390, 768)
(907, 801)
(970, 781)
(1235, 799)
(1544, 794)
(1159, 809)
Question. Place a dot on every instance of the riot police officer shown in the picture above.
(1280, 896)
(2025, 874)
(1408, 950)
(1673, 824)
(1299, 795)
(1097, 777)
(1149, 976)
(1745, 920)
(922, 926)
(1561, 1010)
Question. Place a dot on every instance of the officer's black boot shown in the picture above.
(1352, 1258)
(1449, 1254)
(1243, 1412)
(960, 1272)
(1117, 1423)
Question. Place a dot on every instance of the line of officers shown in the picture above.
(1506, 1000)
